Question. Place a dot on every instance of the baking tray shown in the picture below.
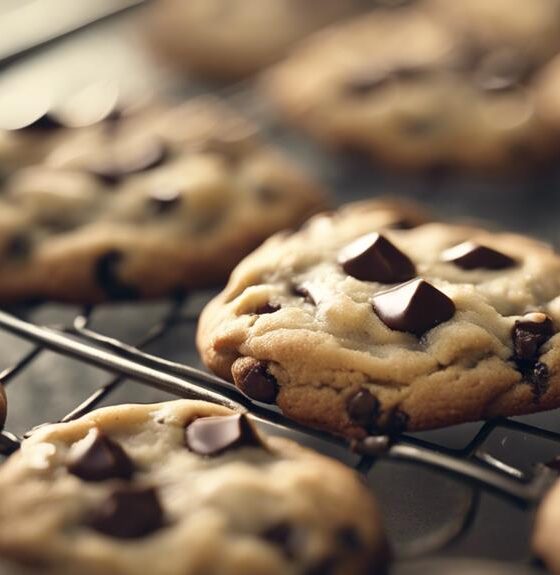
(455, 501)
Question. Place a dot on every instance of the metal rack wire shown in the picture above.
(479, 470)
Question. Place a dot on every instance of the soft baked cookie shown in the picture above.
(410, 90)
(355, 325)
(228, 39)
(183, 488)
(166, 200)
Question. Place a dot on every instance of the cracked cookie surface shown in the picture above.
(429, 85)
(182, 488)
(356, 325)
(157, 202)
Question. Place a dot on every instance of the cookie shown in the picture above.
(548, 94)
(183, 487)
(545, 531)
(227, 39)
(165, 201)
(357, 326)
(412, 91)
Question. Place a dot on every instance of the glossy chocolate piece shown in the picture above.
(363, 408)
(106, 275)
(471, 256)
(113, 170)
(267, 308)
(374, 258)
(129, 513)
(215, 435)
(529, 333)
(413, 307)
(304, 292)
(258, 384)
(100, 458)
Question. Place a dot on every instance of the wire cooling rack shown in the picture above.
(472, 465)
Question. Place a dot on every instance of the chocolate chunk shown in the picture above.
(365, 82)
(258, 384)
(374, 258)
(501, 71)
(106, 275)
(470, 256)
(289, 538)
(100, 458)
(47, 122)
(129, 513)
(214, 435)
(538, 377)
(164, 200)
(18, 247)
(348, 538)
(112, 170)
(363, 408)
(398, 422)
(414, 307)
(267, 308)
(303, 291)
(372, 445)
(529, 333)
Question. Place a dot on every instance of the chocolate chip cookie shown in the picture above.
(357, 324)
(183, 488)
(412, 90)
(163, 201)
(228, 39)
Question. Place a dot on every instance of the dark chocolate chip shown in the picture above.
(348, 538)
(129, 513)
(258, 384)
(18, 247)
(214, 435)
(47, 122)
(398, 422)
(289, 538)
(106, 275)
(374, 258)
(470, 256)
(267, 308)
(529, 333)
(269, 195)
(303, 291)
(363, 408)
(100, 458)
(365, 82)
(415, 307)
(113, 170)
(501, 71)
(164, 200)
(539, 379)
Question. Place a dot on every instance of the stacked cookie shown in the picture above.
(144, 204)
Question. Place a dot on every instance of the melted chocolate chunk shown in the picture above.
(258, 384)
(398, 422)
(414, 307)
(529, 333)
(164, 200)
(100, 458)
(129, 513)
(374, 258)
(372, 445)
(106, 275)
(214, 435)
(113, 170)
(470, 256)
(267, 308)
(363, 408)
